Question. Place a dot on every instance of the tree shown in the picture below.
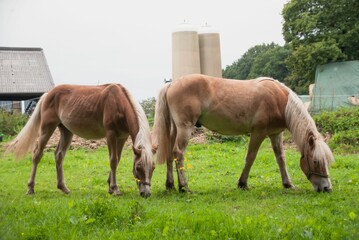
(260, 60)
(148, 106)
(319, 32)
(271, 63)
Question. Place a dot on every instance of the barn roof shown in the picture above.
(24, 73)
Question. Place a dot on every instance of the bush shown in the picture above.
(343, 119)
(342, 125)
(11, 123)
(350, 137)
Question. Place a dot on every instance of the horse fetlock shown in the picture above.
(289, 185)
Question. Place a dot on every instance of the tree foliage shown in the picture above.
(148, 106)
(260, 60)
(319, 32)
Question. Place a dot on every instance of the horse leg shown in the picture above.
(277, 145)
(60, 152)
(119, 151)
(183, 136)
(45, 134)
(255, 141)
(114, 148)
(169, 178)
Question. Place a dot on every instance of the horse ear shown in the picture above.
(311, 140)
(154, 149)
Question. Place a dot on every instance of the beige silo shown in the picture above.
(210, 51)
(185, 51)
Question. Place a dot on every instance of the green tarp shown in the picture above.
(335, 83)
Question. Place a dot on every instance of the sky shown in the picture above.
(130, 42)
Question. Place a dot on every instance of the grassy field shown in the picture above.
(215, 209)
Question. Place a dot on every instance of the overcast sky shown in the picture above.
(129, 42)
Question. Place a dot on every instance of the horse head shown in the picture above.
(315, 161)
(143, 167)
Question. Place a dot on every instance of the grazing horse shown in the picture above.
(91, 112)
(262, 107)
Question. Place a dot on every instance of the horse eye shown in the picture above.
(139, 166)
(316, 162)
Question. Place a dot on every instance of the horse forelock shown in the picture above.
(322, 152)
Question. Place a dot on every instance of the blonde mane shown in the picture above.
(301, 124)
(143, 138)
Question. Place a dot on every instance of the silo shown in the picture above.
(185, 51)
(210, 51)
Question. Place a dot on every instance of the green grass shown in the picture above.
(215, 210)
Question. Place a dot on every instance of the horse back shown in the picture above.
(228, 106)
(89, 111)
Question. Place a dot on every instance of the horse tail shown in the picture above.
(26, 138)
(162, 127)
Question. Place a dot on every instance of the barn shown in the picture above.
(24, 77)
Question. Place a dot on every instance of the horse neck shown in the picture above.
(299, 122)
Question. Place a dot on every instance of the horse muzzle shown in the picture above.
(145, 190)
(322, 185)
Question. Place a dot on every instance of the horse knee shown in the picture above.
(177, 154)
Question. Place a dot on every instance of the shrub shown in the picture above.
(342, 125)
(343, 119)
(11, 123)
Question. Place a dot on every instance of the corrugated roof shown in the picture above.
(24, 73)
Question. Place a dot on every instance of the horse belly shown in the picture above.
(224, 125)
(88, 129)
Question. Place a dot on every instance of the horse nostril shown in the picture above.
(327, 189)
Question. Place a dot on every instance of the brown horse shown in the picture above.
(90, 112)
(262, 107)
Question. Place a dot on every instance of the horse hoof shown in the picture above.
(289, 185)
(243, 185)
(30, 192)
(170, 189)
(64, 189)
(184, 189)
(117, 193)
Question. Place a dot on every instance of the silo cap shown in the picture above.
(185, 27)
(207, 29)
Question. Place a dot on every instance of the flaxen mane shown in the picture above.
(301, 125)
(143, 138)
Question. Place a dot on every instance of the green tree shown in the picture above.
(319, 32)
(260, 60)
(148, 106)
(271, 63)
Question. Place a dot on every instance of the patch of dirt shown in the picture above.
(77, 142)
(198, 137)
